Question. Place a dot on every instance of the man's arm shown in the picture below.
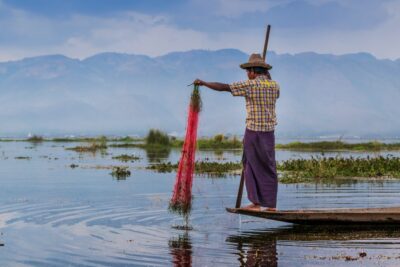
(221, 87)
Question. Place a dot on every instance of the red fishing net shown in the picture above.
(182, 195)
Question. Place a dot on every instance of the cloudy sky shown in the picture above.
(80, 29)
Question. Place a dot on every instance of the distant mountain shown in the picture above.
(112, 93)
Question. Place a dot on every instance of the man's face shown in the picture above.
(250, 74)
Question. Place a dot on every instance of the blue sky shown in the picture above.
(81, 28)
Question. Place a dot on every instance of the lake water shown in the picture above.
(55, 215)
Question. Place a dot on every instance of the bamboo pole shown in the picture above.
(266, 42)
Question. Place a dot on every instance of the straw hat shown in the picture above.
(256, 60)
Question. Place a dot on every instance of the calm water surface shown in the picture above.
(55, 215)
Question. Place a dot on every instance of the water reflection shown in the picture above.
(155, 155)
(255, 249)
(219, 155)
(181, 250)
(259, 248)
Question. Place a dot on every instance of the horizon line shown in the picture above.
(195, 50)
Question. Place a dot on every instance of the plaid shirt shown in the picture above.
(261, 95)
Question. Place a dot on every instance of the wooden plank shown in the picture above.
(389, 215)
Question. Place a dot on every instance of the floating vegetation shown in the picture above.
(93, 147)
(126, 145)
(202, 167)
(127, 139)
(93, 139)
(99, 139)
(66, 139)
(338, 146)
(126, 158)
(23, 157)
(220, 141)
(217, 168)
(163, 167)
(327, 168)
(120, 172)
(35, 139)
(156, 139)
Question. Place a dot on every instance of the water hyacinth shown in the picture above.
(325, 168)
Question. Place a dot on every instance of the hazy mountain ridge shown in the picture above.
(112, 93)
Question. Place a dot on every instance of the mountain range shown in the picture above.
(114, 93)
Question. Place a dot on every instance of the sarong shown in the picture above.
(260, 168)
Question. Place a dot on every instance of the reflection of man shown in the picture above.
(255, 249)
(260, 92)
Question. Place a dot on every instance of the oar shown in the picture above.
(240, 191)
(266, 42)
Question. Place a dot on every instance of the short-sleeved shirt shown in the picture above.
(261, 94)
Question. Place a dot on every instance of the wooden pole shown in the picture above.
(241, 184)
(240, 191)
(266, 41)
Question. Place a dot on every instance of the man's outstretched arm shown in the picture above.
(222, 87)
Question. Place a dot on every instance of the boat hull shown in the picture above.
(384, 216)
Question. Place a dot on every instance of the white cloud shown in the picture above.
(82, 36)
(25, 34)
(236, 8)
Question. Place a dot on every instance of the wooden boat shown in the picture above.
(381, 216)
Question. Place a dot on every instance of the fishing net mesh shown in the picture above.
(182, 195)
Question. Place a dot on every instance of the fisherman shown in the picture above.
(260, 92)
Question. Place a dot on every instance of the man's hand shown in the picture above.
(199, 82)
(222, 87)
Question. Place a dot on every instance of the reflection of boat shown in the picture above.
(259, 248)
(328, 216)
(316, 233)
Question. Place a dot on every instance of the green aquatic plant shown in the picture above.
(163, 167)
(329, 168)
(127, 145)
(219, 141)
(120, 172)
(339, 146)
(126, 139)
(126, 158)
(91, 148)
(157, 138)
(214, 169)
(35, 139)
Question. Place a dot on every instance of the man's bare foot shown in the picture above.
(267, 209)
(252, 207)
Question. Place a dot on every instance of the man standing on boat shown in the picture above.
(261, 93)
